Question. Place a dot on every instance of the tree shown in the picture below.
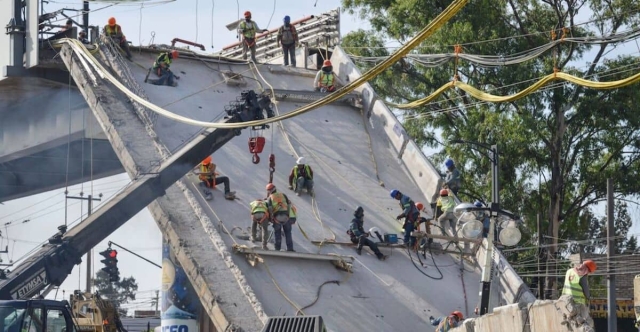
(621, 224)
(119, 292)
(557, 146)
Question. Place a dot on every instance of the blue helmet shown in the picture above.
(449, 163)
(394, 193)
(478, 204)
(287, 19)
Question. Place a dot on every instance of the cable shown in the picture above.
(272, 13)
(434, 263)
(337, 282)
(213, 5)
(196, 21)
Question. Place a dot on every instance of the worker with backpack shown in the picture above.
(288, 38)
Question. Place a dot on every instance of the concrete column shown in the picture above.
(180, 303)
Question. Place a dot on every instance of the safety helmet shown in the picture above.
(174, 54)
(326, 63)
(374, 230)
(394, 193)
(419, 206)
(207, 161)
(287, 19)
(300, 161)
(449, 163)
(444, 192)
(271, 187)
(247, 14)
(458, 314)
(591, 265)
(112, 21)
(477, 204)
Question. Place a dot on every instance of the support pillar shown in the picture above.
(180, 303)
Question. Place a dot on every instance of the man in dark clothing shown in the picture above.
(288, 38)
(359, 236)
(410, 214)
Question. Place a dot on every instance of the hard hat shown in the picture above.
(591, 265)
(458, 314)
(112, 21)
(420, 206)
(326, 63)
(270, 187)
(174, 54)
(444, 192)
(207, 161)
(477, 204)
(300, 161)
(247, 14)
(287, 19)
(394, 193)
(374, 230)
(449, 163)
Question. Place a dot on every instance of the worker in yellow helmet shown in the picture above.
(576, 288)
(447, 323)
(248, 30)
(114, 31)
(325, 78)
(210, 179)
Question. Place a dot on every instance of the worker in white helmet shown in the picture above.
(301, 177)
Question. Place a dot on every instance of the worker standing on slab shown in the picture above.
(447, 203)
(114, 31)
(210, 179)
(576, 290)
(248, 30)
(161, 67)
(288, 39)
(360, 237)
(410, 214)
(447, 323)
(452, 180)
(325, 78)
(280, 212)
(260, 216)
(301, 177)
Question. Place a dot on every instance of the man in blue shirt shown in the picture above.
(410, 214)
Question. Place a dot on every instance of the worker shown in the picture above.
(483, 217)
(423, 220)
(248, 30)
(260, 216)
(67, 26)
(301, 177)
(82, 37)
(576, 288)
(288, 39)
(360, 237)
(410, 214)
(446, 202)
(114, 31)
(279, 211)
(452, 180)
(325, 78)
(447, 323)
(162, 69)
(210, 179)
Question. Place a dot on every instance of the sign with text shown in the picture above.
(624, 308)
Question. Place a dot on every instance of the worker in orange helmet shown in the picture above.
(447, 323)
(162, 69)
(446, 202)
(423, 220)
(114, 31)
(210, 179)
(325, 78)
(280, 212)
(576, 288)
(248, 29)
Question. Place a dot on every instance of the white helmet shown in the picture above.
(300, 161)
(373, 230)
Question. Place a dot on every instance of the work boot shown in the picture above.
(382, 257)
(265, 247)
(359, 251)
(174, 84)
(311, 193)
(230, 195)
(207, 195)
(291, 250)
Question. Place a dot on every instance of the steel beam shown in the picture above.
(253, 255)
(437, 248)
(305, 96)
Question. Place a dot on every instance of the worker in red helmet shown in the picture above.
(114, 31)
(280, 210)
(446, 203)
(210, 179)
(576, 288)
(325, 78)
(161, 67)
(248, 29)
(447, 323)
(423, 220)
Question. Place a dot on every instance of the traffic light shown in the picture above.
(110, 262)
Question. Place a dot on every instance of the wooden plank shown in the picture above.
(396, 246)
(343, 262)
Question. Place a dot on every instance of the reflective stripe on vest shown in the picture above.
(292, 211)
(258, 206)
(115, 31)
(249, 29)
(307, 172)
(278, 203)
(572, 286)
(162, 58)
(326, 79)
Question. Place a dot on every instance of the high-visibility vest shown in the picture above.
(112, 31)
(162, 58)
(326, 79)
(278, 203)
(307, 171)
(258, 206)
(572, 286)
(248, 29)
(292, 211)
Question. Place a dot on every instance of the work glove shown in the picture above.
(290, 187)
(400, 216)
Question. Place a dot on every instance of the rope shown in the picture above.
(66, 180)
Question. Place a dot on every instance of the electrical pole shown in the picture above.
(611, 251)
(157, 301)
(539, 224)
(485, 291)
(89, 200)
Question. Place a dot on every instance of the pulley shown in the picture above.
(256, 145)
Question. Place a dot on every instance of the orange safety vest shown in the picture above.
(207, 177)
(326, 79)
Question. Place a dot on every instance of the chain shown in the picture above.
(272, 166)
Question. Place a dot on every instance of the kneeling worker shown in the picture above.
(162, 70)
(260, 216)
(301, 177)
(359, 237)
(209, 178)
(324, 78)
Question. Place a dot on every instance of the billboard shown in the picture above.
(180, 303)
(624, 308)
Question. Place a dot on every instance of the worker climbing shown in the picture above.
(452, 180)
(576, 292)
(446, 323)
(301, 177)
(279, 207)
(161, 67)
(447, 203)
(410, 214)
(260, 216)
(360, 237)
(210, 179)
(324, 81)
(114, 31)
(248, 30)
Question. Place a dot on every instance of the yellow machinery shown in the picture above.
(92, 313)
(636, 298)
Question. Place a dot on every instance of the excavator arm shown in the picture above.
(51, 265)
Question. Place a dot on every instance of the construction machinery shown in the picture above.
(92, 313)
(636, 299)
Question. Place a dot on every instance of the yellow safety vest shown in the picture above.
(292, 211)
(162, 58)
(307, 170)
(572, 286)
(278, 203)
(112, 31)
(326, 79)
(248, 29)
(258, 206)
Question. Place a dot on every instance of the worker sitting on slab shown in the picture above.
(248, 30)
(446, 202)
(360, 237)
(260, 216)
(576, 288)
(161, 67)
(447, 323)
(280, 212)
(452, 181)
(210, 179)
(114, 31)
(410, 214)
(325, 78)
(301, 177)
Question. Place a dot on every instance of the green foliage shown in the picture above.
(117, 293)
(622, 224)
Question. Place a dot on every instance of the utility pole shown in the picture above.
(157, 301)
(540, 250)
(89, 200)
(485, 292)
(611, 251)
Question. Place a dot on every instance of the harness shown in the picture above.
(289, 33)
(207, 177)
(248, 32)
(112, 30)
